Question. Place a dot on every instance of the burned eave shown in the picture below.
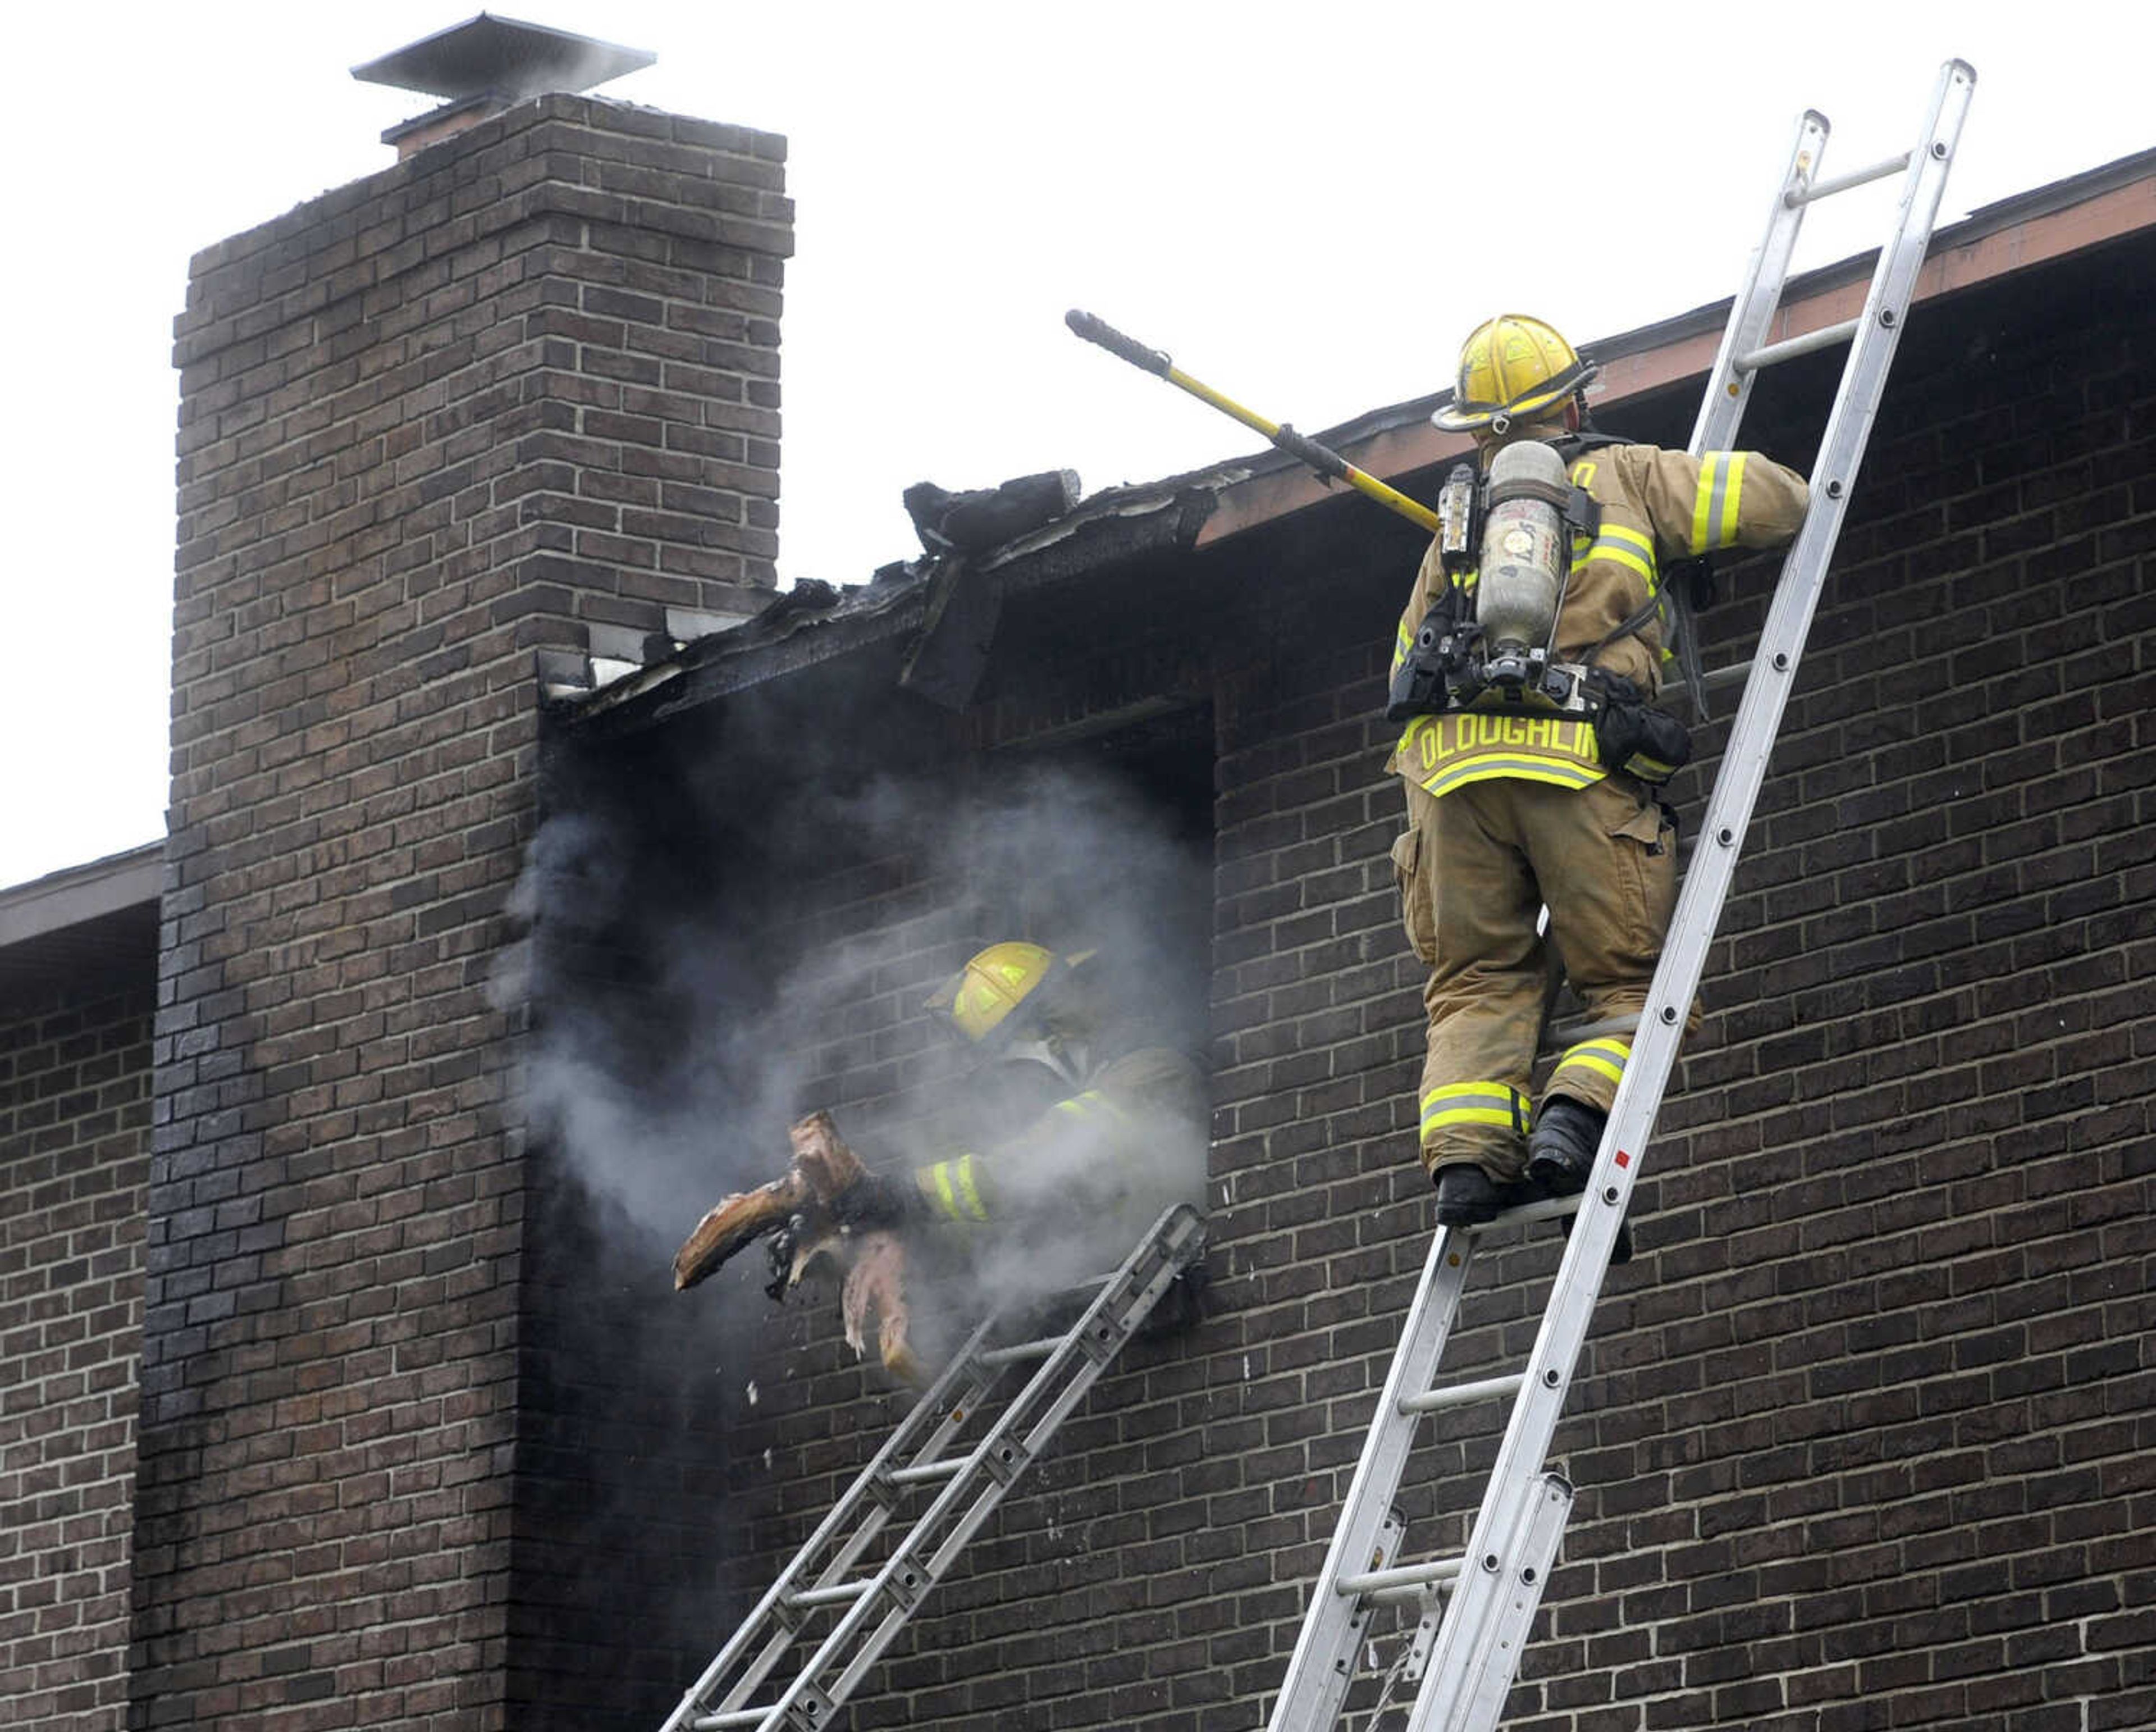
(817, 623)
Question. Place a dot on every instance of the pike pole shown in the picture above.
(1328, 463)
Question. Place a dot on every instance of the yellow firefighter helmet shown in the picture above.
(1511, 368)
(980, 998)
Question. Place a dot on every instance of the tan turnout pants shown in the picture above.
(1474, 872)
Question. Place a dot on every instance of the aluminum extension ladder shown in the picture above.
(926, 1451)
(1476, 1608)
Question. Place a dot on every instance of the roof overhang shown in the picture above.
(2070, 216)
(81, 893)
(88, 930)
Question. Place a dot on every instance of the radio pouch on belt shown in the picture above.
(1632, 735)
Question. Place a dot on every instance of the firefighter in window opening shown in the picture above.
(1528, 659)
(1116, 1131)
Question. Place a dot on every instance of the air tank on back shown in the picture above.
(1524, 557)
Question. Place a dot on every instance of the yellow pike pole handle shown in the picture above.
(1326, 462)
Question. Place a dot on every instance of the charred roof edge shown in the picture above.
(1112, 526)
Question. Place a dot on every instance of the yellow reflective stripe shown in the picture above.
(1625, 547)
(1464, 1103)
(970, 1189)
(1400, 649)
(1583, 474)
(1086, 1105)
(951, 1187)
(1524, 769)
(1605, 1058)
(1702, 501)
(1714, 509)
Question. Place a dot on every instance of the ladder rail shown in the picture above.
(983, 1473)
(1729, 380)
(937, 1404)
(1728, 386)
(1311, 1692)
(1442, 1701)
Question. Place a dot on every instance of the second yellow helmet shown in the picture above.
(981, 997)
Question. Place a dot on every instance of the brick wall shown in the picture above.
(1861, 1439)
(515, 393)
(74, 1120)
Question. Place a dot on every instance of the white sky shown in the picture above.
(1307, 205)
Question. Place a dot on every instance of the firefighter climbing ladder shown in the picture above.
(924, 1452)
(1464, 1658)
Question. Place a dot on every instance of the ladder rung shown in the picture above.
(1527, 1213)
(1842, 182)
(1416, 1576)
(1459, 1394)
(732, 1717)
(1039, 1349)
(1713, 679)
(923, 1471)
(838, 1594)
(1826, 337)
(1564, 1035)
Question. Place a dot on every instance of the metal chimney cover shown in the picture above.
(487, 54)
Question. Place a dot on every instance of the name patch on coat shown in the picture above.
(1442, 752)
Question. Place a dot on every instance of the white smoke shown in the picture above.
(684, 1021)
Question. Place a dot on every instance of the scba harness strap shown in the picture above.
(1443, 667)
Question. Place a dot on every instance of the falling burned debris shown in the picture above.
(874, 1263)
(947, 660)
(876, 1284)
(735, 1222)
(801, 1211)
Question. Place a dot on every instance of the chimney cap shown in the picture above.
(486, 55)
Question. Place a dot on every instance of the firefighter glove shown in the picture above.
(779, 1248)
(874, 1200)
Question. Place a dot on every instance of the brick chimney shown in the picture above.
(511, 395)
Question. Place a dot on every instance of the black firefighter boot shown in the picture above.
(1467, 1196)
(1560, 1153)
